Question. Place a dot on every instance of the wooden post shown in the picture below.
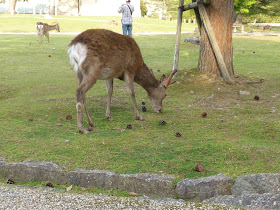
(195, 4)
(178, 34)
(214, 43)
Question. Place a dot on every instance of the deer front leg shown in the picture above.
(109, 85)
(90, 122)
(48, 36)
(129, 85)
(39, 37)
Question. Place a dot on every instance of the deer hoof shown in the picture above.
(92, 125)
(83, 131)
(139, 118)
(90, 128)
(108, 118)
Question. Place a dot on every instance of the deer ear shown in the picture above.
(163, 78)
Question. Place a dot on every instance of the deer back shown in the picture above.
(115, 51)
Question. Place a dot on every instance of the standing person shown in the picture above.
(126, 10)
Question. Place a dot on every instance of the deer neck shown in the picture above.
(145, 79)
(52, 27)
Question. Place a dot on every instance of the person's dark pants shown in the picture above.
(127, 28)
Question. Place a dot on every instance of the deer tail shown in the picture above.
(77, 54)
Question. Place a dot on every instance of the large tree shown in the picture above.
(221, 15)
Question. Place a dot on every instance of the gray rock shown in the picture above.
(93, 179)
(255, 201)
(257, 183)
(36, 171)
(194, 40)
(148, 184)
(2, 167)
(204, 188)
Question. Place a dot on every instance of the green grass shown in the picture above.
(239, 136)
(27, 23)
(250, 28)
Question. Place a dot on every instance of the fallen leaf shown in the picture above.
(133, 193)
(69, 188)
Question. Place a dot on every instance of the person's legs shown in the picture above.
(129, 28)
(124, 27)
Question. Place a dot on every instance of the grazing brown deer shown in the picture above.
(99, 54)
(265, 27)
(44, 28)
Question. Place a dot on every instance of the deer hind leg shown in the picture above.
(91, 124)
(88, 80)
(129, 85)
(80, 94)
(109, 85)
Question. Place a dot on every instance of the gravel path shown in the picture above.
(20, 197)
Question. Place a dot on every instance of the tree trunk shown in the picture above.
(12, 7)
(79, 8)
(221, 15)
(52, 7)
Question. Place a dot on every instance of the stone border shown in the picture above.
(148, 184)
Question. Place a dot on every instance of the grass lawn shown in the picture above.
(27, 23)
(239, 136)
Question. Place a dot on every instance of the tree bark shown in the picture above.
(221, 15)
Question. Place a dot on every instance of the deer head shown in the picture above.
(157, 94)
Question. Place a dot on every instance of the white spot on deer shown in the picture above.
(40, 27)
(77, 54)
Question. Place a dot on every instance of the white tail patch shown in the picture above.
(40, 27)
(77, 54)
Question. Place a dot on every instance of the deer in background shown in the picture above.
(99, 54)
(44, 28)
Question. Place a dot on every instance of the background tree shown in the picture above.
(52, 7)
(243, 6)
(171, 8)
(221, 14)
(158, 8)
(12, 7)
(268, 7)
(143, 8)
(263, 11)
